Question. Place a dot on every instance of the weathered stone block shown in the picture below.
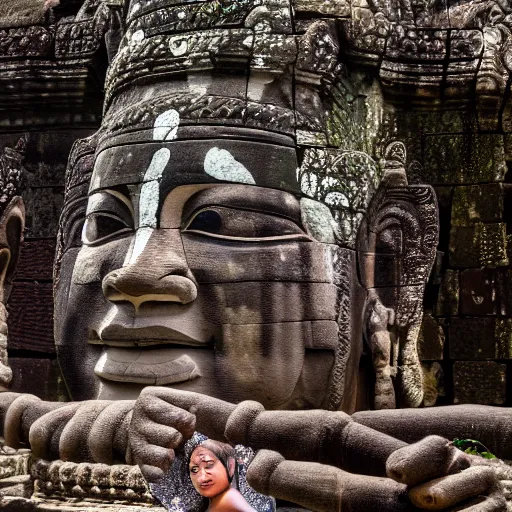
(23, 13)
(463, 250)
(448, 298)
(465, 158)
(504, 291)
(472, 338)
(481, 245)
(477, 292)
(479, 383)
(444, 202)
(433, 383)
(477, 203)
(431, 339)
(338, 8)
(43, 207)
(36, 260)
(40, 377)
(503, 336)
(492, 245)
(30, 318)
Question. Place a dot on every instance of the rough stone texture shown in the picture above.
(472, 338)
(40, 377)
(464, 251)
(448, 297)
(121, 483)
(431, 339)
(439, 82)
(504, 292)
(31, 317)
(478, 203)
(43, 210)
(504, 338)
(464, 159)
(479, 383)
(478, 292)
(433, 382)
(479, 245)
(36, 260)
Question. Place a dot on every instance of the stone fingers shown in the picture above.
(495, 502)
(106, 429)
(211, 414)
(157, 427)
(430, 458)
(45, 432)
(79, 431)
(155, 409)
(447, 492)
(323, 488)
(13, 406)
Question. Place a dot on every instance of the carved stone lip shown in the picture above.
(157, 367)
(138, 342)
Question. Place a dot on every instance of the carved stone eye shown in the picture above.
(225, 222)
(101, 227)
(208, 221)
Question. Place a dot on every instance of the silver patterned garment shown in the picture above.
(176, 492)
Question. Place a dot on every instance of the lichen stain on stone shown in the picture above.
(222, 165)
(166, 125)
(318, 220)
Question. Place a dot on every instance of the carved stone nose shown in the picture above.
(127, 286)
(160, 274)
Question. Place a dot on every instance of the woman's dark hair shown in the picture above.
(222, 451)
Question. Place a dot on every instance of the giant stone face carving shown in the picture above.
(238, 241)
(219, 248)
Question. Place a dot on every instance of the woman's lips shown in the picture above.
(156, 367)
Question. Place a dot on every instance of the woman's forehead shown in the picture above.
(201, 454)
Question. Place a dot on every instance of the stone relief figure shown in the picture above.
(12, 222)
(227, 239)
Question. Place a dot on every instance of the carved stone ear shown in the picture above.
(397, 245)
(12, 224)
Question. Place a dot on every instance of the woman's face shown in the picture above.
(208, 474)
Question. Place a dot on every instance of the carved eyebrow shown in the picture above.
(246, 197)
(98, 197)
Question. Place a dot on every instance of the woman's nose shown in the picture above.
(160, 273)
(204, 476)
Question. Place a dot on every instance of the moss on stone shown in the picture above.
(21, 13)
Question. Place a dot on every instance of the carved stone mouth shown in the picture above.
(134, 343)
(158, 367)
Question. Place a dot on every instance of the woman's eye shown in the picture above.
(224, 222)
(100, 227)
(193, 470)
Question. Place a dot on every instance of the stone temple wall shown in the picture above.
(466, 340)
(50, 95)
(31, 347)
(468, 306)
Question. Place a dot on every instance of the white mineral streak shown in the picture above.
(164, 128)
(148, 204)
(178, 47)
(317, 219)
(137, 37)
(166, 125)
(222, 165)
(141, 239)
(158, 164)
